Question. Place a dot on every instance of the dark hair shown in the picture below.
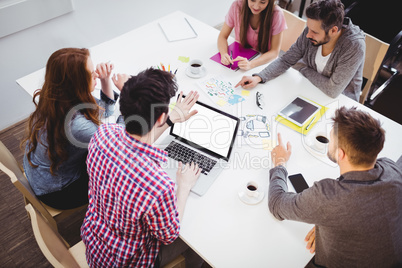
(67, 84)
(359, 135)
(264, 32)
(329, 12)
(144, 98)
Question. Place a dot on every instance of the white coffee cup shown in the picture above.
(252, 189)
(195, 66)
(321, 141)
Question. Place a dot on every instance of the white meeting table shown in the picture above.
(225, 231)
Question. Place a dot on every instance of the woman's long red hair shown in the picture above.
(67, 84)
(264, 32)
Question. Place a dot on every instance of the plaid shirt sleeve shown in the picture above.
(163, 218)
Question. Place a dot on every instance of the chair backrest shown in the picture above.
(9, 165)
(295, 25)
(50, 242)
(375, 52)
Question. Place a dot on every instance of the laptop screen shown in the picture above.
(210, 130)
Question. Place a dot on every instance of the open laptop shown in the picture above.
(207, 138)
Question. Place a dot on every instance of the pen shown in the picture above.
(231, 57)
(311, 122)
(175, 71)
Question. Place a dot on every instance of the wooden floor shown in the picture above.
(18, 247)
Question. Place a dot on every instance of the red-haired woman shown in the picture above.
(66, 117)
(258, 24)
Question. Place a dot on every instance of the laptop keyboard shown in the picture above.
(186, 155)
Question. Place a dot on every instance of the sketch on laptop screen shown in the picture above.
(209, 129)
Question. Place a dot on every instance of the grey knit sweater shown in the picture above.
(358, 217)
(343, 72)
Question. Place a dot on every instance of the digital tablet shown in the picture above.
(299, 111)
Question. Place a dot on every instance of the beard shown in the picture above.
(331, 156)
(323, 42)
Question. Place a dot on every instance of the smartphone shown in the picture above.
(298, 182)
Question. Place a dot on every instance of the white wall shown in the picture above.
(22, 14)
(92, 22)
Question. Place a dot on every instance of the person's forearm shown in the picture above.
(325, 84)
(277, 186)
(182, 195)
(222, 45)
(107, 89)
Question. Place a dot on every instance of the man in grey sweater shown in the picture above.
(358, 216)
(330, 53)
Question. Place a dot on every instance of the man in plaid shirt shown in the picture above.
(133, 207)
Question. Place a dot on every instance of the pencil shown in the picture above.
(175, 71)
(169, 68)
(163, 67)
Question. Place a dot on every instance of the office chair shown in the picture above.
(375, 52)
(295, 25)
(10, 166)
(53, 246)
(390, 68)
(388, 101)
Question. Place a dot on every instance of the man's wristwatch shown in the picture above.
(169, 122)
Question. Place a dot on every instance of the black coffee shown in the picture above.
(251, 187)
(322, 139)
(195, 65)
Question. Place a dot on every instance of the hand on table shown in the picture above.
(310, 239)
(181, 111)
(225, 59)
(249, 82)
(280, 155)
(187, 177)
(120, 79)
(244, 63)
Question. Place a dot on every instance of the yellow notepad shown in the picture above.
(303, 129)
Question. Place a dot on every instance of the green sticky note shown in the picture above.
(184, 59)
(172, 105)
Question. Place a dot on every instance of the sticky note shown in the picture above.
(221, 102)
(245, 93)
(267, 144)
(184, 59)
(172, 105)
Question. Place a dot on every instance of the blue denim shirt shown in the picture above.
(79, 131)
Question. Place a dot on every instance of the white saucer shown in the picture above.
(202, 73)
(251, 200)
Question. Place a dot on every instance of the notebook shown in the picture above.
(176, 29)
(207, 138)
(237, 50)
(301, 114)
